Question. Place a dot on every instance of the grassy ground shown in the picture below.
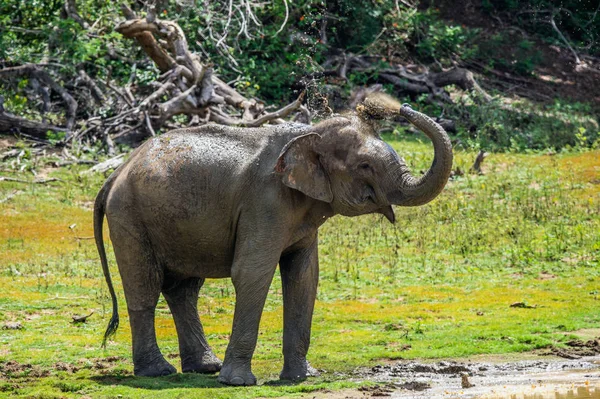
(438, 283)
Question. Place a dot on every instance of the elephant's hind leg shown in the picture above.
(196, 354)
(142, 281)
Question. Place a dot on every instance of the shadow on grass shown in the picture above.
(179, 380)
(282, 383)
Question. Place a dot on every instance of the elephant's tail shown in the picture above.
(99, 208)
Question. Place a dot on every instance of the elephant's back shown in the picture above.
(224, 152)
(186, 190)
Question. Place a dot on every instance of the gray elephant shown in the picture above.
(217, 202)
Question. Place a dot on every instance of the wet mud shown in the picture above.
(577, 348)
(527, 379)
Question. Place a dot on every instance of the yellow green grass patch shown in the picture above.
(437, 284)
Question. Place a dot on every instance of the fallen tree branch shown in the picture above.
(405, 81)
(111, 163)
(11, 124)
(564, 39)
(97, 94)
(37, 181)
(282, 113)
(10, 196)
(69, 10)
(462, 78)
(34, 71)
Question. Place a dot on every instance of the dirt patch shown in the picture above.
(87, 205)
(69, 368)
(12, 369)
(577, 348)
(419, 368)
(7, 142)
(105, 365)
(111, 359)
(19, 371)
(377, 391)
(546, 276)
(585, 333)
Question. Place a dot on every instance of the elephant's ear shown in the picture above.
(300, 168)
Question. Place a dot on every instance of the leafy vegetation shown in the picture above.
(439, 283)
(284, 49)
(578, 18)
(521, 126)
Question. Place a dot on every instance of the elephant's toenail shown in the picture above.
(237, 381)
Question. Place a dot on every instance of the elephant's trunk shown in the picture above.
(412, 191)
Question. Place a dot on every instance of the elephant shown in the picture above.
(231, 202)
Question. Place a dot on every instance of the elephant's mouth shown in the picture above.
(373, 197)
(381, 207)
(370, 196)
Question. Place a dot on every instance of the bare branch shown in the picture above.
(282, 113)
(97, 94)
(37, 181)
(564, 39)
(34, 71)
(287, 14)
(70, 11)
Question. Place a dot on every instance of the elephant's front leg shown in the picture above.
(252, 273)
(299, 278)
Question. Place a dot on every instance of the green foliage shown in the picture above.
(355, 25)
(55, 137)
(523, 126)
(424, 35)
(519, 126)
(508, 52)
(435, 39)
(272, 65)
(578, 18)
(268, 64)
(34, 30)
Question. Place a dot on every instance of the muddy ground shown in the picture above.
(566, 373)
(526, 379)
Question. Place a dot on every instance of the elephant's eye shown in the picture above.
(364, 166)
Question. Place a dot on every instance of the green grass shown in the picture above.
(437, 284)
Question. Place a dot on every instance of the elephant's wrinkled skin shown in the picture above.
(215, 202)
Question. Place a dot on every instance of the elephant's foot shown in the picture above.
(208, 363)
(157, 368)
(298, 372)
(236, 375)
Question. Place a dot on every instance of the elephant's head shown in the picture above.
(344, 162)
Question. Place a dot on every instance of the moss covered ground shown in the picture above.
(437, 284)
